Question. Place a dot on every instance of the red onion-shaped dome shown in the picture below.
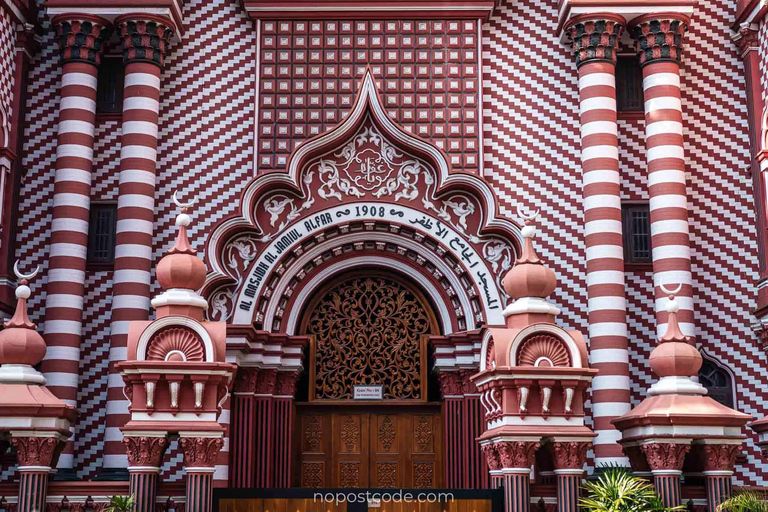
(181, 268)
(529, 277)
(20, 343)
(674, 356)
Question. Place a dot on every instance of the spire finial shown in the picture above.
(20, 318)
(529, 230)
(674, 333)
(183, 219)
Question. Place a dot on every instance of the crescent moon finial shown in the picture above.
(671, 292)
(180, 204)
(530, 217)
(21, 276)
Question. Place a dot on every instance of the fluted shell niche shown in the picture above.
(176, 345)
(543, 350)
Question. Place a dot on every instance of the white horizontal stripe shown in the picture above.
(671, 151)
(144, 152)
(602, 201)
(598, 252)
(77, 103)
(605, 151)
(74, 150)
(66, 275)
(663, 127)
(668, 201)
(65, 353)
(605, 277)
(607, 127)
(130, 302)
(598, 103)
(119, 327)
(73, 174)
(137, 176)
(63, 300)
(60, 379)
(610, 409)
(68, 224)
(607, 303)
(671, 278)
(671, 252)
(140, 103)
(76, 127)
(602, 226)
(63, 327)
(663, 103)
(132, 276)
(115, 381)
(666, 176)
(66, 249)
(669, 226)
(132, 251)
(146, 79)
(74, 78)
(69, 199)
(136, 201)
(593, 79)
(600, 176)
(661, 79)
(610, 437)
(134, 226)
(610, 382)
(608, 355)
(115, 461)
(140, 127)
(685, 302)
(112, 433)
(607, 329)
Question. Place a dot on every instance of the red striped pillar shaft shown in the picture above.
(476, 474)
(568, 482)
(517, 490)
(265, 446)
(665, 156)
(144, 38)
(80, 40)
(718, 488)
(453, 419)
(243, 455)
(595, 57)
(33, 489)
(199, 490)
(283, 436)
(142, 485)
(667, 483)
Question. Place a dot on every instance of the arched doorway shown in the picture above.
(367, 420)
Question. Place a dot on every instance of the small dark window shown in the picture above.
(717, 380)
(109, 96)
(637, 233)
(101, 233)
(629, 85)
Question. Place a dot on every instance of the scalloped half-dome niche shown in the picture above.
(543, 350)
(176, 345)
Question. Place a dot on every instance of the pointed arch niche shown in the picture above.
(366, 193)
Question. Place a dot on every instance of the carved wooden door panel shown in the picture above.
(350, 455)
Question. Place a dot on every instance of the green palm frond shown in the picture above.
(745, 501)
(618, 490)
(121, 504)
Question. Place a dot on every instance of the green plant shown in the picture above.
(121, 504)
(745, 501)
(618, 490)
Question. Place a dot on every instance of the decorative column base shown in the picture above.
(667, 483)
(718, 488)
(142, 485)
(568, 481)
(199, 489)
(33, 488)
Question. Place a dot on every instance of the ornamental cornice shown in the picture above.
(81, 37)
(659, 37)
(144, 37)
(595, 37)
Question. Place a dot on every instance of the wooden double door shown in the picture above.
(369, 447)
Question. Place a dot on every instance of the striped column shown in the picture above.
(719, 461)
(285, 389)
(265, 411)
(80, 39)
(242, 464)
(516, 458)
(145, 39)
(200, 456)
(145, 456)
(595, 39)
(569, 458)
(667, 484)
(718, 488)
(659, 39)
(568, 482)
(35, 456)
(666, 463)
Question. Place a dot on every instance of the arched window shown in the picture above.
(718, 381)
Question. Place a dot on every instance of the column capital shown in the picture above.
(81, 37)
(659, 37)
(37, 451)
(145, 37)
(746, 40)
(570, 455)
(517, 454)
(245, 380)
(720, 457)
(265, 385)
(145, 451)
(285, 384)
(201, 452)
(665, 456)
(595, 37)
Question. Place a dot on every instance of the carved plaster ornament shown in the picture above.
(523, 398)
(150, 389)
(484, 403)
(174, 387)
(546, 393)
(199, 387)
(568, 401)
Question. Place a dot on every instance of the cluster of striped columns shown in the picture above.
(569, 458)
(595, 39)
(200, 456)
(719, 461)
(659, 40)
(242, 467)
(145, 456)
(265, 411)
(36, 455)
(145, 39)
(80, 39)
(285, 390)
(666, 462)
(510, 465)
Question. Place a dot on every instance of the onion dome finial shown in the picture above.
(20, 343)
(529, 277)
(181, 268)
